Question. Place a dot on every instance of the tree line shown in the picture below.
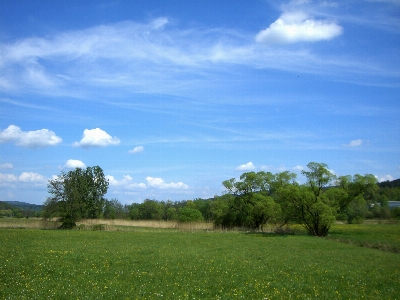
(256, 199)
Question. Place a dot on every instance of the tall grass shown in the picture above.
(31, 223)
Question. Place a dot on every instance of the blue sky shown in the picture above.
(171, 98)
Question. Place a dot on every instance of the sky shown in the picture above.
(170, 98)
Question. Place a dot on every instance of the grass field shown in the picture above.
(173, 264)
(379, 236)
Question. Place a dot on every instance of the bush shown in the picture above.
(189, 215)
(395, 213)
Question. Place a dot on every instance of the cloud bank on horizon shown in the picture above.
(173, 105)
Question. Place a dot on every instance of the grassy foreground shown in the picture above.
(153, 264)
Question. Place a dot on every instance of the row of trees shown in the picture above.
(259, 198)
(253, 201)
(10, 211)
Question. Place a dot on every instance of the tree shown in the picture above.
(113, 209)
(76, 194)
(357, 210)
(318, 176)
(308, 204)
(187, 214)
(249, 204)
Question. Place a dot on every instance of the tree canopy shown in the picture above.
(76, 194)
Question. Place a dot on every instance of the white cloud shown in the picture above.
(354, 143)
(74, 163)
(278, 169)
(31, 177)
(136, 150)
(88, 58)
(6, 166)
(7, 178)
(96, 138)
(293, 27)
(126, 182)
(246, 167)
(159, 23)
(25, 177)
(386, 178)
(30, 139)
(298, 168)
(159, 183)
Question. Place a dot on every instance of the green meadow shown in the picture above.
(147, 263)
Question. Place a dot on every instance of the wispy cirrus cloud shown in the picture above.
(140, 57)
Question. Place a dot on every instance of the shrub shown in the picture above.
(189, 215)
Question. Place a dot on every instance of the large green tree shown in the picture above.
(250, 204)
(76, 194)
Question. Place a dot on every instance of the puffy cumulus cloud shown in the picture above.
(7, 178)
(354, 143)
(246, 167)
(74, 163)
(294, 27)
(159, 183)
(298, 168)
(137, 149)
(96, 138)
(30, 139)
(25, 177)
(126, 182)
(31, 177)
(386, 178)
(6, 166)
(152, 182)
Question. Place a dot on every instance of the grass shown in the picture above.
(379, 236)
(174, 264)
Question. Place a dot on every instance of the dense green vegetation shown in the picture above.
(252, 202)
(14, 209)
(150, 264)
(76, 194)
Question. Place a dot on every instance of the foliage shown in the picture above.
(187, 214)
(357, 210)
(250, 204)
(15, 209)
(39, 264)
(76, 194)
(113, 209)
(259, 198)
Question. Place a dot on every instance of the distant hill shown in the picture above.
(24, 205)
(391, 184)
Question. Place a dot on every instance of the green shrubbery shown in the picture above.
(252, 202)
